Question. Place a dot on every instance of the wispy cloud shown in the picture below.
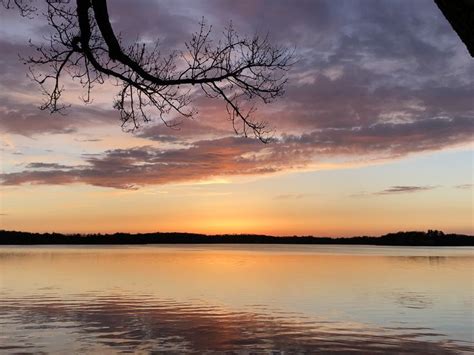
(222, 157)
(40, 165)
(404, 189)
(394, 190)
(464, 186)
(129, 168)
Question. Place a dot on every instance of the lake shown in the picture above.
(236, 299)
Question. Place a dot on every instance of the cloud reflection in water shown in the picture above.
(92, 323)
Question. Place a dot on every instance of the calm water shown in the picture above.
(236, 299)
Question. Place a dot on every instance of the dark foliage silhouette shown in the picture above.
(460, 14)
(430, 238)
(83, 44)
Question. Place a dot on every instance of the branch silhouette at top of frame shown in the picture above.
(83, 45)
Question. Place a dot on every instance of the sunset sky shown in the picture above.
(374, 133)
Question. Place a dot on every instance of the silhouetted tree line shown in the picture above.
(413, 238)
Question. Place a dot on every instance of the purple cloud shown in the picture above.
(373, 79)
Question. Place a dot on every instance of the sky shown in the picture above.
(373, 135)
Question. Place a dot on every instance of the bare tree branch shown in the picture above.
(83, 45)
(25, 7)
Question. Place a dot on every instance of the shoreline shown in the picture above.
(411, 238)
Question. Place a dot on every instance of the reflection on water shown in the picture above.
(150, 325)
(236, 299)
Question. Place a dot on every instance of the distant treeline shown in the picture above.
(430, 238)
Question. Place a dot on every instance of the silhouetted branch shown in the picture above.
(25, 7)
(236, 69)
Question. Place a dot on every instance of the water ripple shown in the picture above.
(142, 324)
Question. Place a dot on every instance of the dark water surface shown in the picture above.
(236, 299)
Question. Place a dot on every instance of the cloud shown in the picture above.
(464, 186)
(228, 156)
(22, 118)
(187, 130)
(159, 21)
(47, 166)
(129, 168)
(404, 189)
(392, 139)
(372, 81)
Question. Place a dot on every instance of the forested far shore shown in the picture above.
(411, 238)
